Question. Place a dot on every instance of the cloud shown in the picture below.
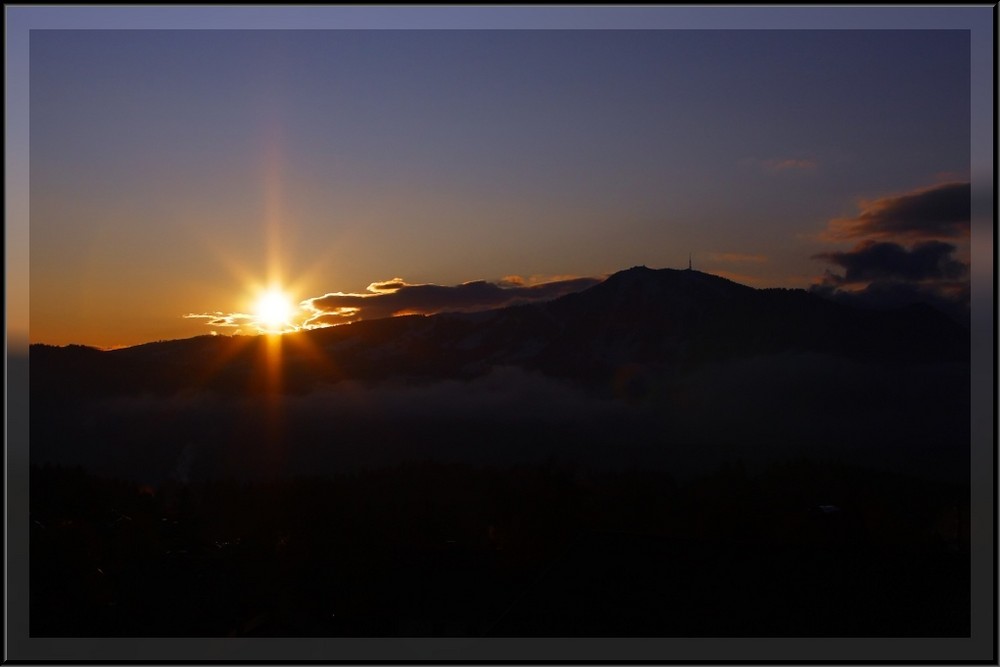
(331, 317)
(387, 285)
(389, 298)
(882, 260)
(785, 164)
(880, 271)
(238, 321)
(397, 297)
(939, 211)
(879, 274)
(511, 281)
(220, 319)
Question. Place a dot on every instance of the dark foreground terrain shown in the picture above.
(427, 549)
(666, 453)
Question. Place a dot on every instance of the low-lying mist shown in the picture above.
(789, 406)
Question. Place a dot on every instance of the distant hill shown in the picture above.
(668, 321)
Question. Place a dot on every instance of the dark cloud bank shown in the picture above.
(397, 297)
(880, 271)
(941, 211)
(872, 260)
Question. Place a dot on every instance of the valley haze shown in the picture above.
(675, 369)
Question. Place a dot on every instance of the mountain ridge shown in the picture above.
(649, 368)
(667, 320)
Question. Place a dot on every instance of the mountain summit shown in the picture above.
(666, 320)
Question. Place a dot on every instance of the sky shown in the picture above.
(174, 174)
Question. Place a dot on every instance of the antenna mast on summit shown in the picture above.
(689, 261)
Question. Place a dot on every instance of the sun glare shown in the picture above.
(273, 310)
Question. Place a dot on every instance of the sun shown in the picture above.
(273, 310)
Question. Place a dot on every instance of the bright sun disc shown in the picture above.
(273, 310)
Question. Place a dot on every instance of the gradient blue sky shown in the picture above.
(172, 171)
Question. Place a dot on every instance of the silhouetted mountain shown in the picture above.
(675, 369)
(664, 321)
(666, 452)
